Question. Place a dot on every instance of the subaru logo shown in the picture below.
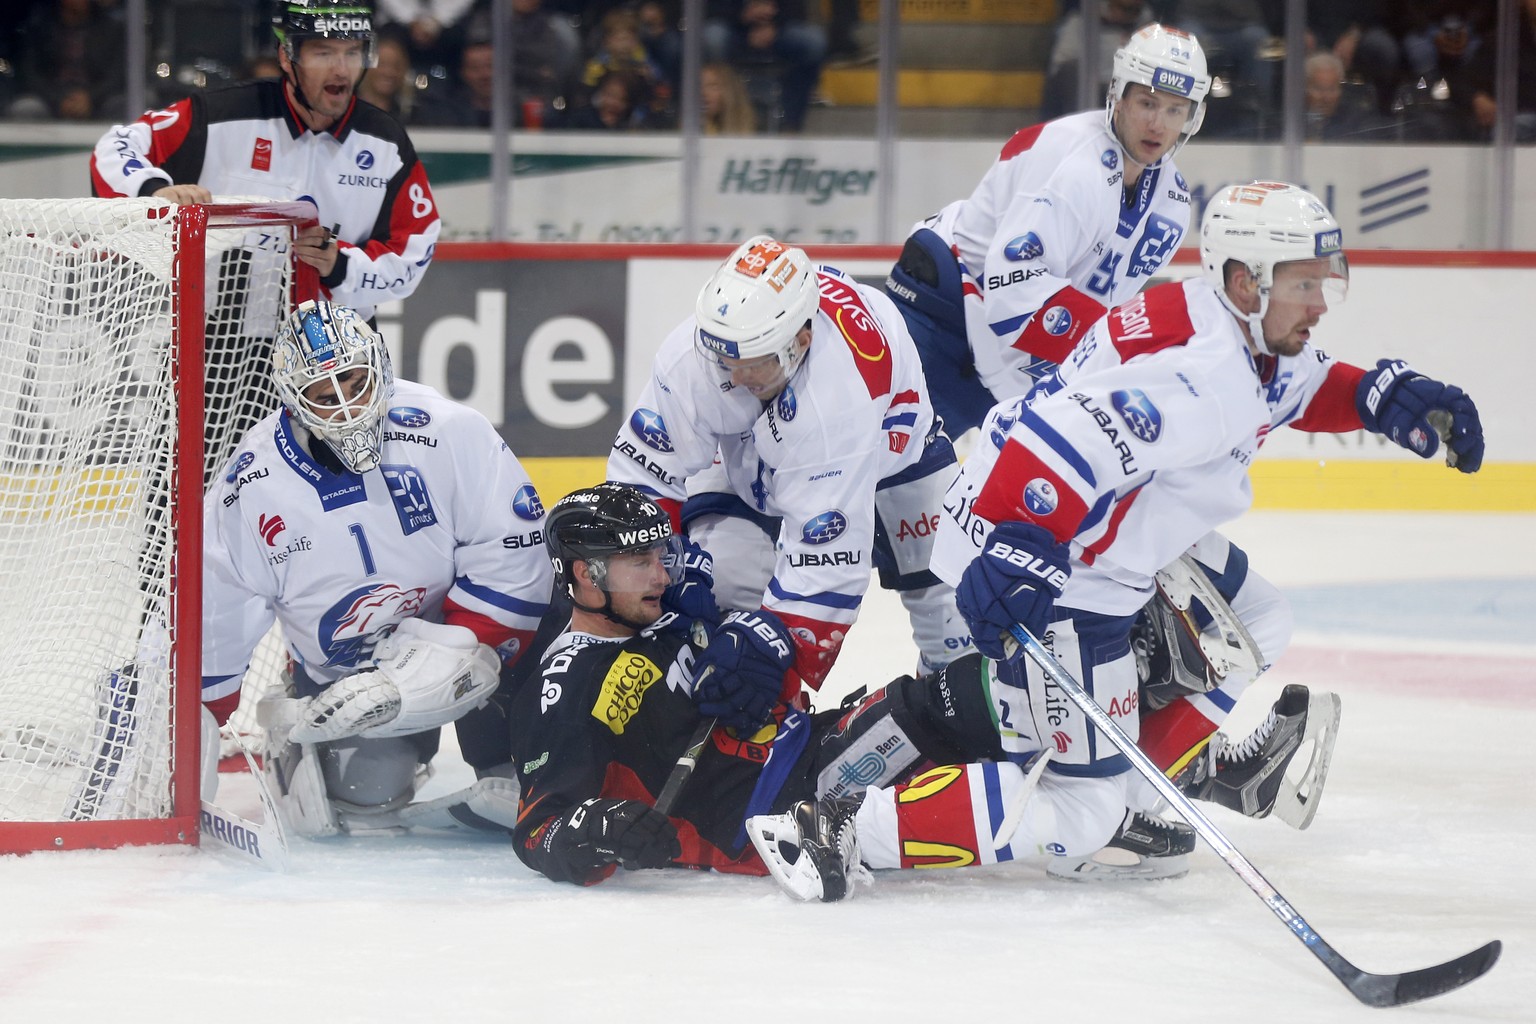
(1110, 159)
(1144, 419)
(406, 416)
(526, 503)
(824, 528)
(651, 429)
(1026, 247)
(788, 406)
(240, 464)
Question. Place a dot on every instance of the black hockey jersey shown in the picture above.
(609, 717)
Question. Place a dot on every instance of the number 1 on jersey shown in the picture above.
(356, 530)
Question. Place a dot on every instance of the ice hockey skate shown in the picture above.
(1252, 776)
(813, 850)
(1145, 848)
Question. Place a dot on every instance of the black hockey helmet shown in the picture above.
(594, 523)
(294, 21)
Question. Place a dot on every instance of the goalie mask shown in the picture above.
(1263, 224)
(751, 312)
(626, 543)
(1164, 60)
(332, 372)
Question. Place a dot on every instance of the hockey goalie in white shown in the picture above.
(399, 543)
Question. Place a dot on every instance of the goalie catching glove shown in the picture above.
(1418, 413)
(426, 674)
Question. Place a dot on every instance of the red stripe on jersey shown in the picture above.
(903, 398)
(1116, 517)
(1332, 410)
(1017, 471)
(222, 707)
(1021, 141)
(859, 328)
(412, 209)
(1171, 735)
(1156, 319)
(1041, 340)
(170, 127)
(621, 783)
(817, 644)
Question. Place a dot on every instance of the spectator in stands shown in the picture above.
(1481, 75)
(1233, 33)
(1118, 19)
(546, 58)
(70, 63)
(726, 107)
(775, 46)
(263, 65)
(662, 41)
(466, 103)
(1439, 39)
(1335, 111)
(614, 106)
(434, 30)
(388, 84)
(619, 48)
(1355, 32)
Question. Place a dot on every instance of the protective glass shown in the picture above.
(1312, 282)
(645, 570)
(317, 54)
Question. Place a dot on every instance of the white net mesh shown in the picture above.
(88, 414)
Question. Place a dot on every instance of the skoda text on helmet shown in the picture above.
(313, 358)
(594, 524)
(1164, 60)
(294, 21)
(1262, 224)
(756, 303)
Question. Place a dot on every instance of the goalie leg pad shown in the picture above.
(365, 772)
(294, 778)
(490, 805)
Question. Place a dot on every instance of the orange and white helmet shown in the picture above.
(757, 302)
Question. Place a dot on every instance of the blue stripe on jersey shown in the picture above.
(995, 813)
(829, 599)
(506, 602)
(211, 681)
(1221, 699)
(1011, 325)
(904, 419)
(1058, 444)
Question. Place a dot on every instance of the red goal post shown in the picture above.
(133, 334)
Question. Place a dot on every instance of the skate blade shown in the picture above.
(1111, 865)
(1298, 799)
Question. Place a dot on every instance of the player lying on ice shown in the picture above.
(1076, 497)
(644, 663)
(395, 537)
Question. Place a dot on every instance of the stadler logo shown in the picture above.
(364, 160)
(1040, 496)
(1110, 159)
(652, 429)
(788, 406)
(1139, 413)
(407, 416)
(245, 459)
(1057, 321)
(526, 503)
(1026, 247)
(824, 528)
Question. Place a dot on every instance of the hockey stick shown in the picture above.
(684, 767)
(1371, 989)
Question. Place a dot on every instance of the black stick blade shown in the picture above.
(1399, 989)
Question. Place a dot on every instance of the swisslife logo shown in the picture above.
(270, 527)
(261, 155)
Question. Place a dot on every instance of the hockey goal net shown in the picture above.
(133, 334)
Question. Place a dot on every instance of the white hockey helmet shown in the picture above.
(315, 347)
(1166, 60)
(1264, 223)
(757, 302)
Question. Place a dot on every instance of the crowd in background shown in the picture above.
(1405, 70)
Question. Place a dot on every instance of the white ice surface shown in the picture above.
(1424, 848)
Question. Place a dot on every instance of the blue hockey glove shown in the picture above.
(739, 676)
(693, 598)
(1418, 413)
(1017, 578)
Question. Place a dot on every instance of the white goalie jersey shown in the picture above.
(449, 527)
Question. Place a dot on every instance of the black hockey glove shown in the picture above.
(601, 832)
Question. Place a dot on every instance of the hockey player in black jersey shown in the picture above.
(645, 660)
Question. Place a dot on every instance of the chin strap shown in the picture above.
(1255, 321)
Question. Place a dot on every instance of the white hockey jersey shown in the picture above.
(1052, 213)
(448, 527)
(1140, 444)
(855, 412)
